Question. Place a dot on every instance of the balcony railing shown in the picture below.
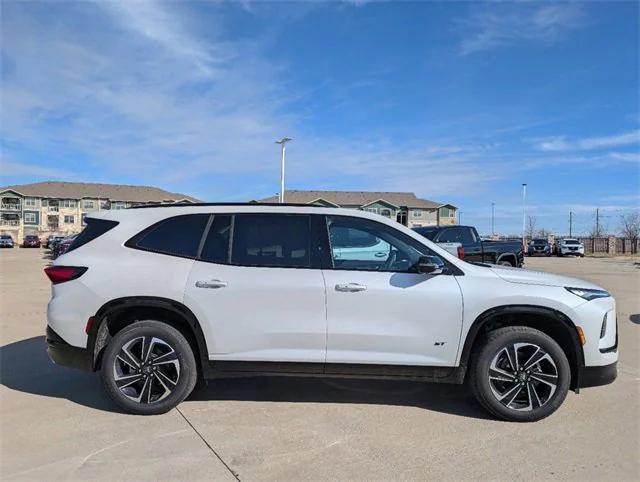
(10, 222)
(10, 207)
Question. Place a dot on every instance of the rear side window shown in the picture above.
(457, 235)
(177, 236)
(216, 247)
(93, 229)
(271, 240)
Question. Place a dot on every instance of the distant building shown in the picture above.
(404, 207)
(51, 207)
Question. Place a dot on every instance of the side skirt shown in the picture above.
(231, 369)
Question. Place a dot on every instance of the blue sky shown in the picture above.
(458, 102)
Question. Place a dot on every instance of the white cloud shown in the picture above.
(498, 25)
(561, 143)
(23, 169)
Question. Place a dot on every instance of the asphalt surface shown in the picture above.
(57, 423)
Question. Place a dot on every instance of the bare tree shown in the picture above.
(531, 227)
(544, 233)
(630, 227)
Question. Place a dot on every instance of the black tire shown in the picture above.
(170, 383)
(486, 390)
(505, 262)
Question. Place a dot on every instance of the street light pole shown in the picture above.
(282, 143)
(524, 214)
(493, 213)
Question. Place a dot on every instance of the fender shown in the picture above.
(98, 334)
(567, 325)
(508, 255)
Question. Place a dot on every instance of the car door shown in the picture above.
(382, 311)
(255, 292)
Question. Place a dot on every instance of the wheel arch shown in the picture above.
(508, 257)
(118, 313)
(548, 320)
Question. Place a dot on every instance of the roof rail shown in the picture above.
(187, 204)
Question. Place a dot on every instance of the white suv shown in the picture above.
(156, 297)
(570, 246)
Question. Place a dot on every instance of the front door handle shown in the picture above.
(350, 287)
(214, 283)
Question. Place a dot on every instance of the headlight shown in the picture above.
(588, 294)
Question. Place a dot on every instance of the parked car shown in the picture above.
(570, 246)
(31, 241)
(53, 240)
(154, 297)
(6, 241)
(506, 253)
(539, 247)
(60, 246)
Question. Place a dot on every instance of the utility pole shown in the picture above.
(282, 143)
(598, 222)
(524, 214)
(493, 213)
(570, 223)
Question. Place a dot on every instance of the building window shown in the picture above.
(30, 218)
(82, 219)
(31, 202)
(371, 210)
(386, 213)
(417, 213)
(88, 204)
(118, 205)
(45, 202)
(69, 220)
(68, 203)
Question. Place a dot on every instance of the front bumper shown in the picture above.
(596, 376)
(61, 353)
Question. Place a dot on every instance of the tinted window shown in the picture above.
(273, 240)
(428, 233)
(456, 235)
(93, 229)
(571, 241)
(392, 250)
(177, 236)
(216, 247)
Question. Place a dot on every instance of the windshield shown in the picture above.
(571, 241)
(539, 241)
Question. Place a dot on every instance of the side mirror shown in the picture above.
(429, 265)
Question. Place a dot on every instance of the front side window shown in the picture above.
(387, 248)
(176, 236)
(271, 240)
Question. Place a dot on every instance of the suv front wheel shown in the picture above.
(148, 368)
(520, 374)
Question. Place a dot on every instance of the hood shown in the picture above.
(528, 277)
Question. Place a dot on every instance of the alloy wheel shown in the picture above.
(523, 377)
(146, 369)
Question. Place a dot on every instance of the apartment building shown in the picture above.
(45, 208)
(404, 207)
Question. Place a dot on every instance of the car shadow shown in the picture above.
(26, 367)
(635, 319)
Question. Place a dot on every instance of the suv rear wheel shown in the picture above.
(520, 374)
(148, 368)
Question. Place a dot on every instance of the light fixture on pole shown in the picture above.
(282, 143)
(524, 214)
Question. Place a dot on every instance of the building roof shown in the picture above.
(358, 198)
(79, 190)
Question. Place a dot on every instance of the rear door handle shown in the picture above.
(380, 254)
(350, 287)
(214, 284)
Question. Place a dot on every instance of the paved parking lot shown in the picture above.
(58, 424)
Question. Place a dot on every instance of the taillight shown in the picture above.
(461, 252)
(60, 274)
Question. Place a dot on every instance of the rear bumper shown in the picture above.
(596, 376)
(61, 353)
